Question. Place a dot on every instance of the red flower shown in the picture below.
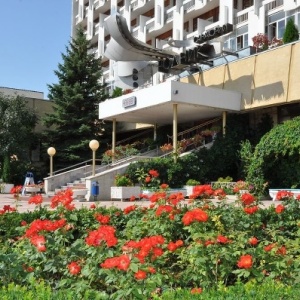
(120, 262)
(102, 219)
(23, 223)
(245, 262)
(196, 291)
(64, 198)
(37, 199)
(172, 246)
(140, 275)
(202, 192)
(251, 210)
(132, 198)
(279, 209)
(247, 199)
(93, 206)
(208, 242)
(129, 209)
(164, 186)
(283, 195)
(74, 268)
(223, 239)
(16, 189)
(123, 262)
(220, 194)
(175, 198)
(148, 179)
(281, 250)
(253, 241)
(151, 270)
(195, 214)
(153, 173)
(163, 209)
(104, 233)
(39, 242)
(269, 247)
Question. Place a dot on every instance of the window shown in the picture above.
(238, 39)
(276, 25)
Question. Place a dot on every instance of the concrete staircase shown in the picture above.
(78, 187)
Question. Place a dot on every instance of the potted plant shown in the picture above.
(124, 188)
(190, 184)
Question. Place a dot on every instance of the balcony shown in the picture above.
(150, 25)
(189, 5)
(170, 14)
(96, 4)
(241, 18)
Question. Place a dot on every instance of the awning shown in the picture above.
(154, 105)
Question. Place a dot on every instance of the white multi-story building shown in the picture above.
(164, 24)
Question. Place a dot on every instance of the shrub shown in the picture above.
(192, 182)
(131, 253)
(291, 32)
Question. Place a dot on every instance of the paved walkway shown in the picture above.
(23, 206)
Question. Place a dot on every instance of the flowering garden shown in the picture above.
(153, 252)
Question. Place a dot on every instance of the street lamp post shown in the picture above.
(51, 152)
(94, 145)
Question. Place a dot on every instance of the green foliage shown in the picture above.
(74, 120)
(226, 179)
(291, 32)
(192, 182)
(41, 291)
(275, 160)
(178, 246)
(252, 290)
(117, 92)
(120, 153)
(122, 180)
(16, 135)
(6, 170)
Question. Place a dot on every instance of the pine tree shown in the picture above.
(74, 120)
(291, 32)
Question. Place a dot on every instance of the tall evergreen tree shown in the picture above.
(291, 32)
(74, 120)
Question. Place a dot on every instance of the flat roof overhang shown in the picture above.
(154, 105)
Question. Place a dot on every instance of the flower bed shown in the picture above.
(135, 252)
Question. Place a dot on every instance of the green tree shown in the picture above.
(291, 32)
(17, 123)
(74, 121)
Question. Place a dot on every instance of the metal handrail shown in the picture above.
(133, 136)
(78, 165)
(196, 127)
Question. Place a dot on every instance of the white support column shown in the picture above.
(224, 115)
(175, 123)
(114, 133)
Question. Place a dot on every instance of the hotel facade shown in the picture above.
(148, 47)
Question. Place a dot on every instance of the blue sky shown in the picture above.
(33, 35)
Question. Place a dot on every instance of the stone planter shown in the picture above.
(170, 191)
(244, 192)
(6, 187)
(189, 190)
(124, 192)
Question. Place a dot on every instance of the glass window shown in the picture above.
(276, 17)
(281, 28)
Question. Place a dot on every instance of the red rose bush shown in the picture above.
(131, 253)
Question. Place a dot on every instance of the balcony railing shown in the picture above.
(188, 6)
(150, 25)
(241, 18)
(274, 4)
